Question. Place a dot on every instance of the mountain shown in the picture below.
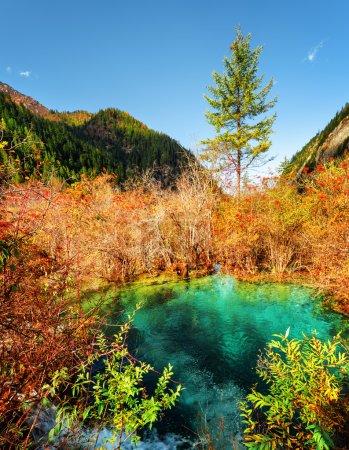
(24, 100)
(40, 142)
(331, 142)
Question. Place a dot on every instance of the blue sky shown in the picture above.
(155, 58)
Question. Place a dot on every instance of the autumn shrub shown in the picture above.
(280, 227)
(326, 195)
(100, 231)
(186, 228)
(263, 230)
(236, 238)
(40, 330)
(307, 404)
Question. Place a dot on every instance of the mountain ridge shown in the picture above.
(25, 100)
(72, 143)
(331, 142)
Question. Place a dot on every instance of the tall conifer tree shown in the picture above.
(238, 104)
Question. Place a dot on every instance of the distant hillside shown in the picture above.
(24, 100)
(331, 142)
(41, 142)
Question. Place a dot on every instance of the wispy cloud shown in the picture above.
(25, 73)
(9, 69)
(312, 53)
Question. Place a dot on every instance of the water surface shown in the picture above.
(211, 330)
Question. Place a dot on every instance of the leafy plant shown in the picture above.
(114, 397)
(307, 404)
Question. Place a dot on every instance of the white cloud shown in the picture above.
(25, 73)
(314, 51)
(9, 69)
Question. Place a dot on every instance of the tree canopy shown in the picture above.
(238, 104)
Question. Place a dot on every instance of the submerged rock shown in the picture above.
(42, 419)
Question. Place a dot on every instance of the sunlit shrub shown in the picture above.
(115, 396)
(307, 404)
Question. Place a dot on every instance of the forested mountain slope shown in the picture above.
(331, 142)
(40, 142)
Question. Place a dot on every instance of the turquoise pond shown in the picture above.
(211, 330)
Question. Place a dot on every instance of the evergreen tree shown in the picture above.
(238, 103)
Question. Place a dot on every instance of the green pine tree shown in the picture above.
(238, 106)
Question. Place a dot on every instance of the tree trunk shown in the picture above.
(239, 154)
(238, 174)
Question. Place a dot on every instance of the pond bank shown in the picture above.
(332, 298)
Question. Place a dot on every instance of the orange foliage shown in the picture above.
(277, 229)
(40, 331)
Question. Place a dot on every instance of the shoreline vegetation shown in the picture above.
(278, 231)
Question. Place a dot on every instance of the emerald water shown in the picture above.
(211, 330)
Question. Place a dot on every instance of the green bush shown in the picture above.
(307, 405)
(113, 398)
